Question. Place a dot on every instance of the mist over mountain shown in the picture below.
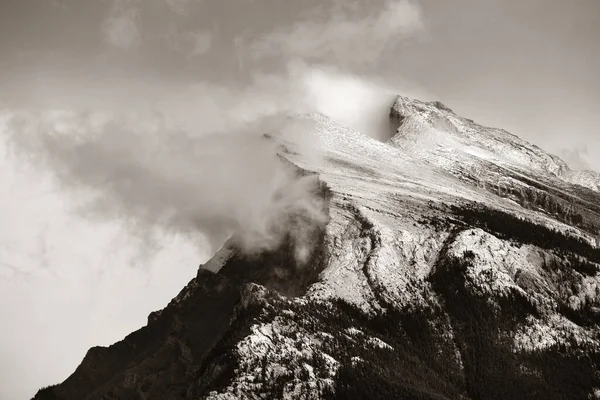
(388, 199)
(180, 161)
(451, 261)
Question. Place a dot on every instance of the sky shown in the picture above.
(129, 131)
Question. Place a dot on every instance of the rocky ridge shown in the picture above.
(457, 262)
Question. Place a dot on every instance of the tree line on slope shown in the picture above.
(579, 252)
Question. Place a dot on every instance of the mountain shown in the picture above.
(456, 262)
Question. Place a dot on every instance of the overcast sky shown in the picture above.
(92, 91)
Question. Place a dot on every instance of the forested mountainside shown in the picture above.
(456, 262)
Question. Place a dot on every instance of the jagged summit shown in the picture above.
(455, 262)
(449, 134)
(437, 133)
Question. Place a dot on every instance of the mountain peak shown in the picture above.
(455, 262)
(454, 136)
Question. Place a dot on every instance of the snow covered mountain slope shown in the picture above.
(588, 179)
(496, 160)
(456, 262)
(433, 127)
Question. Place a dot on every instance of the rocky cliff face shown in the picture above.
(457, 262)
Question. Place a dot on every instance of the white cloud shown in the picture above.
(192, 170)
(81, 282)
(362, 104)
(577, 157)
(342, 39)
(121, 28)
(191, 159)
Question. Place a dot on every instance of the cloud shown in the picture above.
(201, 42)
(193, 160)
(178, 6)
(357, 102)
(193, 43)
(121, 28)
(342, 38)
(82, 282)
(184, 170)
(576, 157)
